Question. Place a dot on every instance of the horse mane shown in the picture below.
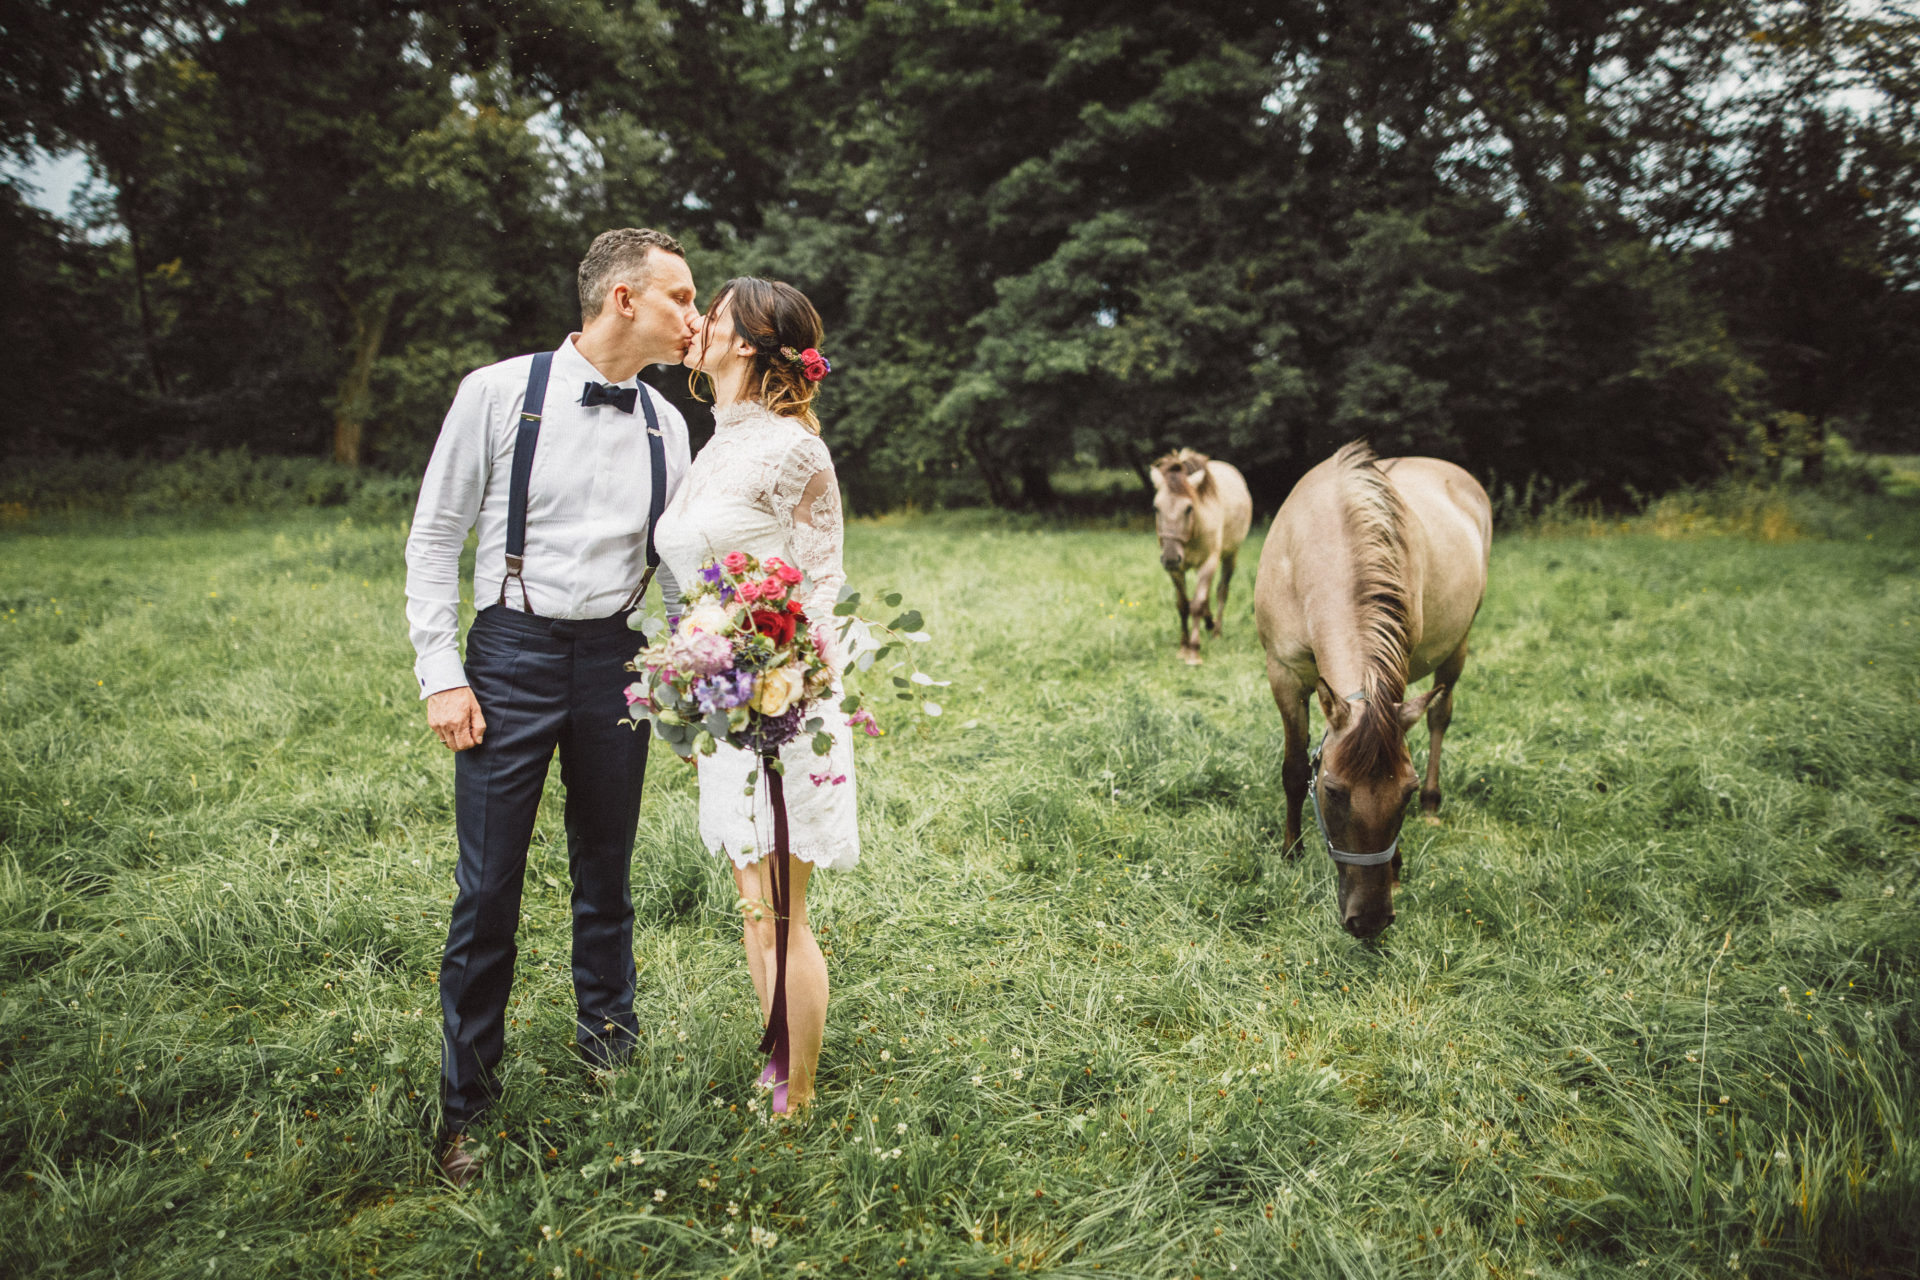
(1376, 523)
(1180, 467)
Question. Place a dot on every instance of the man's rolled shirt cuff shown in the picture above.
(438, 673)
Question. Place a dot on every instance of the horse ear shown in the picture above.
(1159, 479)
(1335, 708)
(1412, 709)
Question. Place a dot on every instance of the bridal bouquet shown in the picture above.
(745, 665)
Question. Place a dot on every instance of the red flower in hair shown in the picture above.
(814, 366)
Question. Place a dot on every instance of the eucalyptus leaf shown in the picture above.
(931, 708)
(908, 621)
(822, 743)
(891, 599)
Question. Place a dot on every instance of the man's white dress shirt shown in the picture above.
(587, 502)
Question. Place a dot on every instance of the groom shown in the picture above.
(563, 459)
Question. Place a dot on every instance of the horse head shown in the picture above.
(1179, 481)
(1360, 791)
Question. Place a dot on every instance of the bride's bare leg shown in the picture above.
(758, 901)
(806, 972)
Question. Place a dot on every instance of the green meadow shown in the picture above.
(1649, 1010)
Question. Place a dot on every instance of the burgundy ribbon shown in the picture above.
(774, 1041)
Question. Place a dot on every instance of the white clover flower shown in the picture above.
(901, 1127)
(733, 1208)
(1018, 1074)
(659, 1194)
(762, 1238)
(977, 1079)
(886, 1055)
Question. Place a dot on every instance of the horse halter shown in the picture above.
(1313, 797)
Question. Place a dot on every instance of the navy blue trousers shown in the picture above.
(542, 684)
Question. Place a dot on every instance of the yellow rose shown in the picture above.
(777, 689)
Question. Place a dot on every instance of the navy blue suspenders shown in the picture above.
(524, 442)
(531, 408)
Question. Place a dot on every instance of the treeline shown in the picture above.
(1579, 241)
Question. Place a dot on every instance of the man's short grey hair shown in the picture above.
(619, 257)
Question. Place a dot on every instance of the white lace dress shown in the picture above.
(764, 485)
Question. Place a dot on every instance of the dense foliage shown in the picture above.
(1601, 243)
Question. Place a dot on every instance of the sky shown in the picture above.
(49, 181)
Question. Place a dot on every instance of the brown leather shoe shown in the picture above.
(458, 1163)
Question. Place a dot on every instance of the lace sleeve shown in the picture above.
(806, 500)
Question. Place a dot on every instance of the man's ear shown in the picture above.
(1335, 708)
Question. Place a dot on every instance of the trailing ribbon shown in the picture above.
(774, 1041)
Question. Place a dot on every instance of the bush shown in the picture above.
(228, 481)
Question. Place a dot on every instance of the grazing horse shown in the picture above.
(1370, 579)
(1201, 511)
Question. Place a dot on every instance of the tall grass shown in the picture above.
(1086, 1018)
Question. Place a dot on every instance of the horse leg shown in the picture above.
(1291, 697)
(1202, 614)
(1439, 716)
(1226, 580)
(1180, 608)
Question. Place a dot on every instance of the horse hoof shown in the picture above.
(1431, 819)
(1191, 657)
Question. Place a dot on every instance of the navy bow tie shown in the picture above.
(621, 398)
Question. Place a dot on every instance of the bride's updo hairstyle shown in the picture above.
(772, 314)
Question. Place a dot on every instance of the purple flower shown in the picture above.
(711, 573)
(723, 692)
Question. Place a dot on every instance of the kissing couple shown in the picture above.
(580, 481)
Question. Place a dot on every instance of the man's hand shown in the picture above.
(454, 716)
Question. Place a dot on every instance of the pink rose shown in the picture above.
(748, 591)
(788, 574)
(735, 561)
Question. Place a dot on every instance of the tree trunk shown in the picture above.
(1813, 452)
(147, 340)
(351, 403)
(999, 492)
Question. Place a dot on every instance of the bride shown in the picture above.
(764, 485)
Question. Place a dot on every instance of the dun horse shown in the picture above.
(1201, 510)
(1370, 579)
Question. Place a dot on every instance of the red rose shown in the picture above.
(814, 365)
(794, 607)
(777, 627)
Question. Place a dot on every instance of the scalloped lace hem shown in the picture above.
(839, 856)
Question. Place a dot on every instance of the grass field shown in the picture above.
(1650, 1007)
